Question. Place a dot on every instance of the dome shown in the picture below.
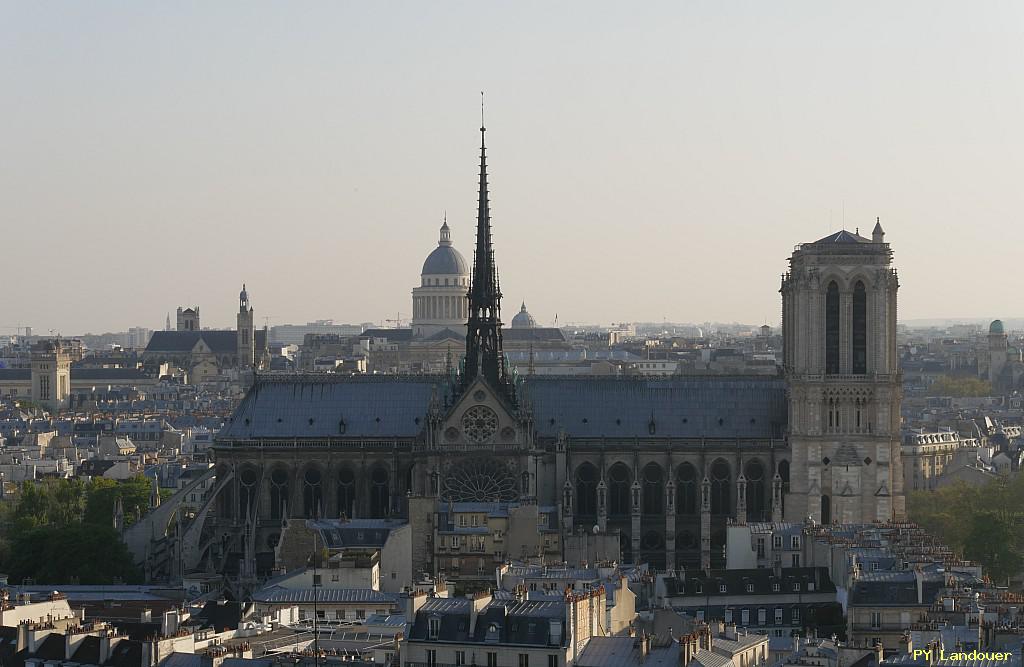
(996, 327)
(523, 319)
(445, 260)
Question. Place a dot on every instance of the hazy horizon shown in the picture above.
(647, 161)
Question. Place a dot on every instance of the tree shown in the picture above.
(99, 504)
(981, 523)
(947, 385)
(55, 555)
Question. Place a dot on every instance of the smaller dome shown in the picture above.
(523, 319)
(996, 327)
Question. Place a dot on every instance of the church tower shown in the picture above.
(246, 332)
(484, 356)
(844, 385)
(51, 374)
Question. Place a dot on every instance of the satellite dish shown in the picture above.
(596, 529)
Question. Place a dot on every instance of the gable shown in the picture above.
(479, 417)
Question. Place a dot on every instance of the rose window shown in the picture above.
(480, 480)
(479, 423)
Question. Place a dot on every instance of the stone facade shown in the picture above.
(839, 332)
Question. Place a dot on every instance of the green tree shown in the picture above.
(55, 555)
(993, 542)
(947, 385)
(99, 503)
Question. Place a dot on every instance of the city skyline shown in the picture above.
(315, 164)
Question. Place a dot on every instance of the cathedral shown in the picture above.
(205, 354)
(664, 463)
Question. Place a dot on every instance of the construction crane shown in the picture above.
(397, 322)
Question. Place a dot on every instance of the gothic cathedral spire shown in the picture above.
(484, 356)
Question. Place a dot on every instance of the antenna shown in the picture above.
(481, 110)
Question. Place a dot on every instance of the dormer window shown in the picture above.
(750, 588)
(722, 588)
(434, 627)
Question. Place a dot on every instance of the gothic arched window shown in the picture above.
(654, 489)
(721, 480)
(832, 328)
(248, 478)
(312, 493)
(586, 490)
(826, 510)
(278, 492)
(380, 493)
(784, 474)
(860, 329)
(618, 490)
(686, 489)
(346, 492)
(754, 472)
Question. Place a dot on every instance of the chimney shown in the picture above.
(413, 603)
(477, 603)
(169, 624)
(879, 653)
(730, 631)
(107, 644)
(22, 636)
(919, 579)
(150, 653)
(906, 644)
(644, 646)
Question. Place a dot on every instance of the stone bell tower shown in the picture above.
(844, 386)
(246, 332)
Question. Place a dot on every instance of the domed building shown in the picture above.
(439, 302)
(999, 363)
(523, 319)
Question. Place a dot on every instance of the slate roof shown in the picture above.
(87, 652)
(843, 236)
(219, 341)
(736, 582)
(324, 406)
(127, 653)
(108, 374)
(178, 659)
(713, 407)
(445, 334)
(393, 335)
(52, 647)
(10, 374)
(279, 595)
(899, 588)
(515, 622)
(367, 406)
(338, 534)
(535, 334)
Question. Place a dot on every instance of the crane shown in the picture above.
(397, 322)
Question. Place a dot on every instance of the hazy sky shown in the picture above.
(647, 160)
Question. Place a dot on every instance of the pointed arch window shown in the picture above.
(721, 481)
(618, 490)
(832, 328)
(686, 489)
(586, 490)
(654, 489)
(860, 329)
